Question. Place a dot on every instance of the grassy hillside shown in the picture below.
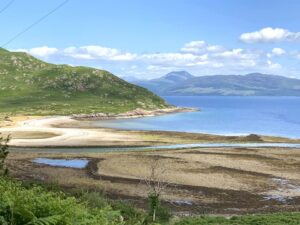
(32, 87)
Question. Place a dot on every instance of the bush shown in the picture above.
(3, 155)
(19, 206)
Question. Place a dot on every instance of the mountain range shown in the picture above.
(182, 83)
(29, 86)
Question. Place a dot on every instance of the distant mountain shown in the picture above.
(162, 84)
(177, 76)
(33, 87)
(254, 84)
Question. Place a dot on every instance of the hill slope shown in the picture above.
(32, 87)
(254, 84)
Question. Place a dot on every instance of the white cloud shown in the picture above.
(214, 48)
(98, 52)
(196, 47)
(196, 56)
(234, 53)
(278, 51)
(42, 52)
(172, 59)
(270, 34)
(273, 65)
(193, 46)
(238, 54)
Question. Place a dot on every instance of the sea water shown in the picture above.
(225, 115)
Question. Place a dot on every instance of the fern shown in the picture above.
(35, 206)
(50, 220)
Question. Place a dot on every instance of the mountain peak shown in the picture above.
(256, 74)
(178, 76)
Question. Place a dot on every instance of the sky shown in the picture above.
(145, 39)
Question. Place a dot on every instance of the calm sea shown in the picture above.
(279, 116)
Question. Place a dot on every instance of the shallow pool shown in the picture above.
(72, 163)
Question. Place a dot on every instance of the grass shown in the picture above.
(29, 86)
(268, 219)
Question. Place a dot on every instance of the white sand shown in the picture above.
(65, 136)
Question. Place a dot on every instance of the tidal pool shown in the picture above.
(72, 163)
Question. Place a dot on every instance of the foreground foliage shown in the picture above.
(3, 155)
(19, 206)
(36, 206)
(269, 219)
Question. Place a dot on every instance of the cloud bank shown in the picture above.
(198, 57)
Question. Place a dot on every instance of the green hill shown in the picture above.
(32, 87)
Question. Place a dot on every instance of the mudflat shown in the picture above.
(199, 180)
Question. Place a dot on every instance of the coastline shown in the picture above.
(194, 170)
(137, 113)
(65, 131)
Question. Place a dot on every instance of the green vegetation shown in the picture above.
(19, 205)
(30, 86)
(32, 204)
(3, 155)
(24, 203)
(270, 219)
(36, 205)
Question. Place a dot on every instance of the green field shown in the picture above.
(29, 86)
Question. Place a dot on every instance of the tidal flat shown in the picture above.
(200, 180)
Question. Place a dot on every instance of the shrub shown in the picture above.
(3, 155)
(19, 206)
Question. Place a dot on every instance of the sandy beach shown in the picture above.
(23, 133)
(74, 130)
(65, 131)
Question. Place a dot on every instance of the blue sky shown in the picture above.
(148, 38)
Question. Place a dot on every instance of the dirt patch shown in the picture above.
(234, 155)
(232, 171)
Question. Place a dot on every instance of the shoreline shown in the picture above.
(137, 113)
(77, 131)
